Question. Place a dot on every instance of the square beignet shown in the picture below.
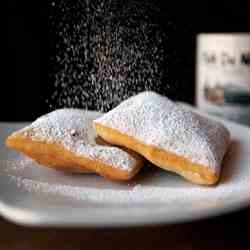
(168, 135)
(65, 140)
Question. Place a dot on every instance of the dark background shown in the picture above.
(26, 87)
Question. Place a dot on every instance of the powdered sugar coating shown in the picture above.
(155, 120)
(72, 129)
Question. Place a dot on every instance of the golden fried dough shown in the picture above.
(167, 134)
(65, 140)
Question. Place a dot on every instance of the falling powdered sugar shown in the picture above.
(107, 50)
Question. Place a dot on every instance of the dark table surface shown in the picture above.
(231, 231)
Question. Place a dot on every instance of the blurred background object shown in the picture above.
(223, 75)
(32, 39)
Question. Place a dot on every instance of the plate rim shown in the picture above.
(26, 217)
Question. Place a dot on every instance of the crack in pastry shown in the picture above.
(65, 140)
(167, 134)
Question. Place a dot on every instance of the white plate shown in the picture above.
(33, 195)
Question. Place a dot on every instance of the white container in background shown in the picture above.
(223, 75)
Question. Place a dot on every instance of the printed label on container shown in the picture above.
(223, 75)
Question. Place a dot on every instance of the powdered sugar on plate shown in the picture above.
(16, 164)
(155, 120)
(139, 193)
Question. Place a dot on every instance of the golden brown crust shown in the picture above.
(54, 156)
(193, 172)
